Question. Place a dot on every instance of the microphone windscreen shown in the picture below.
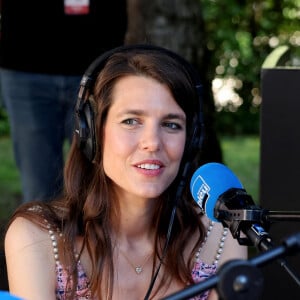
(209, 182)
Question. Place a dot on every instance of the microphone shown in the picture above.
(209, 182)
(222, 197)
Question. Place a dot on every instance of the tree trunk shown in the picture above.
(178, 25)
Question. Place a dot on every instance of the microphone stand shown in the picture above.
(240, 279)
(256, 235)
(237, 211)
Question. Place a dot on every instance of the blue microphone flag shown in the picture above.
(209, 182)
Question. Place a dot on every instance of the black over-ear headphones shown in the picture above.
(85, 114)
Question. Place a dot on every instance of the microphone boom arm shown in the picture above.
(242, 272)
(272, 216)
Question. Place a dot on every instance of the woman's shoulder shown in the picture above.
(28, 249)
(35, 217)
(23, 232)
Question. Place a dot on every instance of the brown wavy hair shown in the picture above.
(87, 207)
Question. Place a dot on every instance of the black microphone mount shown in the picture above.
(237, 211)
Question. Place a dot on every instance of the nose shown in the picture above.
(151, 139)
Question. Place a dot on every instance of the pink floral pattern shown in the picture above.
(63, 286)
(200, 272)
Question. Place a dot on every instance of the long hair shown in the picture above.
(87, 208)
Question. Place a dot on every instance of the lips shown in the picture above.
(153, 167)
(149, 166)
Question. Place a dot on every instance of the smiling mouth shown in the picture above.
(149, 166)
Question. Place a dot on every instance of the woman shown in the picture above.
(127, 227)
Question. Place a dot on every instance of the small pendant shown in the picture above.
(138, 270)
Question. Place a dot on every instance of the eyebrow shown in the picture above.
(139, 112)
(175, 116)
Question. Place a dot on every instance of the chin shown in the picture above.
(150, 194)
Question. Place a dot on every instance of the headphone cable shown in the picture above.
(163, 253)
(172, 217)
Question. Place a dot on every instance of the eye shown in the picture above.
(172, 125)
(130, 121)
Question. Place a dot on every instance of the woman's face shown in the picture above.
(144, 137)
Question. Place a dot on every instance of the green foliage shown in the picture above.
(240, 36)
(10, 187)
(241, 155)
(4, 126)
(237, 123)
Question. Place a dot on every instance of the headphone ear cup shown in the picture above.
(85, 129)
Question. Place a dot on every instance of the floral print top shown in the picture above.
(200, 272)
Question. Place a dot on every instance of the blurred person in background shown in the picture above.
(45, 47)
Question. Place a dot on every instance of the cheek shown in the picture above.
(175, 147)
(116, 144)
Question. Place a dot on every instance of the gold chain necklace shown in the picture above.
(139, 268)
